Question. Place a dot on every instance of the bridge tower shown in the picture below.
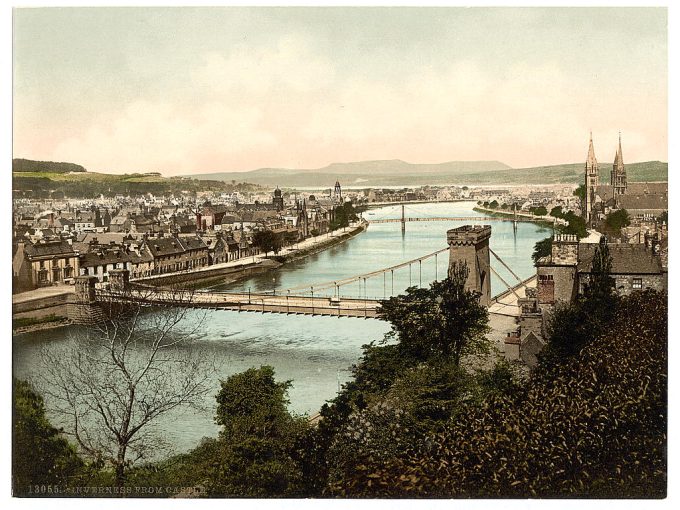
(470, 243)
(403, 220)
(119, 279)
(84, 308)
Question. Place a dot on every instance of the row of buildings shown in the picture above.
(53, 247)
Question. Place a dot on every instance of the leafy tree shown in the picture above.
(486, 204)
(40, 454)
(504, 206)
(542, 248)
(580, 192)
(591, 426)
(494, 204)
(617, 220)
(267, 241)
(539, 211)
(556, 211)
(444, 321)
(663, 217)
(576, 225)
(572, 326)
(344, 214)
(256, 454)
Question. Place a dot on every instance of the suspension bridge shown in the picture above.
(514, 219)
(345, 297)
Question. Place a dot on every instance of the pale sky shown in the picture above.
(189, 90)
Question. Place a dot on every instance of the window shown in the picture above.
(545, 277)
(637, 283)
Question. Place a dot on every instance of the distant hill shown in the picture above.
(568, 174)
(361, 172)
(28, 165)
(401, 173)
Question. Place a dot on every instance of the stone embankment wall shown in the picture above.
(42, 307)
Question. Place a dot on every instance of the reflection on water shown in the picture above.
(315, 352)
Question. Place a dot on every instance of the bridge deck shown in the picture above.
(477, 219)
(263, 303)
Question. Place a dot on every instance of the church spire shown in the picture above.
(618, 159)
(591, 162)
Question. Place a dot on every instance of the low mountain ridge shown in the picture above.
(29, 165)
(400, 173)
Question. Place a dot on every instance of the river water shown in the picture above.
(316, 352)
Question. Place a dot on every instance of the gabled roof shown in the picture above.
(632, 202)
(626, 259)
(57, 248)
(192, 243)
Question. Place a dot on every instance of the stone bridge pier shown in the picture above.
(84, 308)
(470, 244)
(119, 279)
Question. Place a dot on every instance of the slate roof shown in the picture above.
(49, 249)
(626, 259)
(164, 246)
(112, 256)
(192, 243)
(632, 202)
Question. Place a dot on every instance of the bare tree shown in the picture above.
(117, 377)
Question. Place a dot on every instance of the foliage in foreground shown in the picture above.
(592, 426)
(40, 454)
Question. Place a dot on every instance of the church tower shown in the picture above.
(592, 181)
(337, 194)
(278, 199)
(618, 176)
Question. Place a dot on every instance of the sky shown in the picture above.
(197, 90)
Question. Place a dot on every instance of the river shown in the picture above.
(316, 352)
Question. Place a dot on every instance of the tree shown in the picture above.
(267, 241)
(580, 192)
(616, 220)
(576, 225)
(504, 206)
(40, 453)
(572, 326)
(494, 204)
(556, 211)
(592, 426)
(115, 379)
(539, 211)
(445, 320)
(256, 453)
(542, 248)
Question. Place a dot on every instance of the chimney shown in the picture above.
(51, 219)
(564, 249)
(198, 220)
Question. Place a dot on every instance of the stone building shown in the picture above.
(649, 199)
(556, 273)
(634, 267)
(47, 262)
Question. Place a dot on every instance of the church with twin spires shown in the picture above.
(599, 198)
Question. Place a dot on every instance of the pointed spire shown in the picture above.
(618, 160)
(591, 162)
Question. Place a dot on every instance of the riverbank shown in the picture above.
(235, 270)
